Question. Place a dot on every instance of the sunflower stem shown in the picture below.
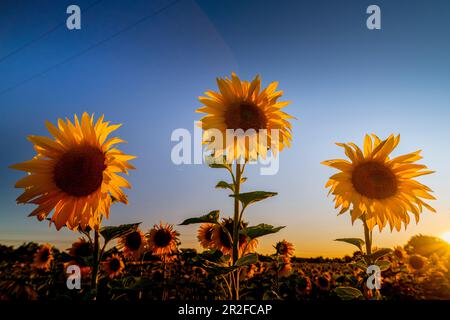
(96, 261)
(236, 219)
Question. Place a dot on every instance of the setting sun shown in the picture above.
(446, 236)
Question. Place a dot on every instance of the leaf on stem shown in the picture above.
(260, 230)
(248, 198)
(112, 232)
(354, 241)
(211, 217)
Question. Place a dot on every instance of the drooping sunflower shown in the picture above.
(133, 244)
(163, 240)
(221, 238)
(113, 266)
(284, 248)
(204, 235)
(43, 257)
(244, 105)
(377, 188)
(75, 173)
(81, 249)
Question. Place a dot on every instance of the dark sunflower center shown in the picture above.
(374, 180)
(323, 282)
(83, 250)
(416, 263)
(133, 241)
(225, 240)
(45, 255)
(162, 238)
(245, 116)
(114, 265)
(79, 172)
(281, 248)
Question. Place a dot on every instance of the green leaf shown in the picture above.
(211, 217)
(225, 185)
(247, 260)
(112, 232)
(348, 293)
(248, 198)
(218, 163)
(260, 230)
(379, 254)
(354, 241)
(383, 264)
(362, 265)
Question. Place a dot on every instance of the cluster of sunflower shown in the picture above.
(77, 174)
(38, 272)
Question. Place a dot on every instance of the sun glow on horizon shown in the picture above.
(446, 236)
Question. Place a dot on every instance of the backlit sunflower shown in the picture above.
(221, 238)
(204, 235)
(244, 105)
(81, 249)
(163, 240)
(43, 257)
(284, 248)
(113, 266)
(377, 188)
(75, 173)
(133, 244)
(416, 263)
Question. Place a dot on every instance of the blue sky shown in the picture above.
(146, 71)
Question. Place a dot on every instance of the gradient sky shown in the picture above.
(343, 80)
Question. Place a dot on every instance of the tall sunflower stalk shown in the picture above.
(378, 190)
(242, 107)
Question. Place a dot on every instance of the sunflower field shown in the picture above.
(79, 173)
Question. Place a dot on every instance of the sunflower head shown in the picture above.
(376, 188)
(242, 105)
(416, 263)
(133, 244)
(399, 253)
(113, 266)
(204, 235)
(43, 257)
(81, 249)
(75, 173)
(223, 234)
(162, 239)
(284, 248)
(323, 282)
(285, 267)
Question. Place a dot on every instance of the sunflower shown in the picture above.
(75, 173)
(285, 267)
(377, 188)
(133, 244)
(204, 235)
(284, 248)
(399, 253)
(163, 240)
(416, 263)
(81, 249)
(43, 257)
(113, 266)
(243, 105)
(323, 282)
(84, 269)
(221, 238)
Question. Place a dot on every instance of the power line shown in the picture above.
(42, 36)
(37, 75)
